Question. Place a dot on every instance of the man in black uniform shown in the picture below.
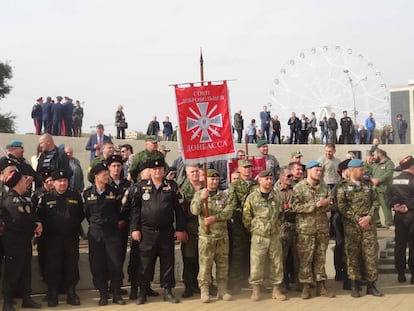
(103, 212)
(20, 224)
(116, 180)
(61, 213)
(347, 127)
(399, 195)
(156, 202)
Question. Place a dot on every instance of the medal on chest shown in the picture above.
(146, 196)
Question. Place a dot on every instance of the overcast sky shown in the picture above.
(127, 52)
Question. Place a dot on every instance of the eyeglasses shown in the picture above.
(289, 176)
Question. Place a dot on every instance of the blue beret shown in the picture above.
(16, 143)
(312, 164)
(355, 163)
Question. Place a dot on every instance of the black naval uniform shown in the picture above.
(103, 212)
(153, 213)
(19, 220)
(61, 216)
(401, 191)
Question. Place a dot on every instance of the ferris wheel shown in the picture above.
(331, 79)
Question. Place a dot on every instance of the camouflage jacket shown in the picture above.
(140, 159)
(238, 192)
(309, 218)
(286, 197)
(216, 208)
(263, 217)
(187, 192)
(355, 200)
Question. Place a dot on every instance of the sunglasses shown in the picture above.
(289, 176)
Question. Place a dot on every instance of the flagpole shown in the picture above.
(205, 163)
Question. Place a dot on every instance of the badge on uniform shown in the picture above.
(20, 209)
(146, 196)
(27, 208)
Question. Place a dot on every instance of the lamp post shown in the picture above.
(346, 71)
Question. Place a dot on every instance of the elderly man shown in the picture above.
(15, 151)
(311, 202)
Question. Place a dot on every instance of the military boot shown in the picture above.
(169, 296)
(103, 297)
(133, 295)
(52, 297)
(306, 291)
(188, 291)
(222, 292)
(322, 291)
(72, 298)
(205, 294)
(355, 289)
(372, 290)
(255, 293)
(117, 297)
(142, 297)
(277, 293)
(28, 302)
(8, 304)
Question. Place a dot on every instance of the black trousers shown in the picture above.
(157, 244)
(62, 258)
(105, 259)
(404, 235)
(17, 265)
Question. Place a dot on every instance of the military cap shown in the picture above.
(407, 162)
(296, 154)
(265, 173)
(151, 138)
(15, 143)
(114, 158)
(5, 162)
(58, 174)
(164, 147)
(312, 164)
(101, 166)
(356, 163)
(59, 97)
(153, 163)
(211, 172)
(13, 178)
(261, 143)
(244, 163)
(40, 99)
(45, 175)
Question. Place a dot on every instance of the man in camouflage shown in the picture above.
(310, 202)
(357, 203)
(263, 216)
(272, 164)
(284, 189)
(213, 244)
(189, 250)
(240, 237)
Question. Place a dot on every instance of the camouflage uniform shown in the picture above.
(263, 218)
(384, 172)
(240, 237)
(353, 202)
(272, 164)
(212, 246)
(312, 226)
(189, 250)
(288, 230)
(142, 157)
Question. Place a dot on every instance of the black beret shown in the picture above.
(59, 174)
(13, 179)
(101, 166)
(114, 158)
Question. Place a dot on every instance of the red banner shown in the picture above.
(258, 165)
(204, 122)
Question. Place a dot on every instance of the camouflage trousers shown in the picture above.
(262, 248)
(312, 256)
(213, 251)
(361, 247)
